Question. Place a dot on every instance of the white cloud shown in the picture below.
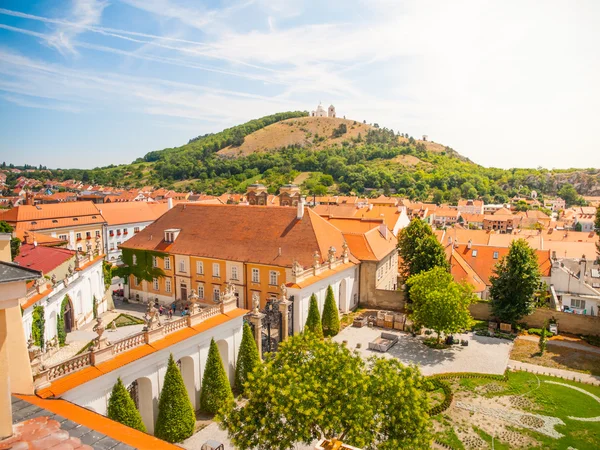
(27, 103)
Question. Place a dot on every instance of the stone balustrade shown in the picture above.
(106, 351)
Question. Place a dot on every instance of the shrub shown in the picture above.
(60, 322)
(121, 408)
(216, 391)
(313, 321)
(176, 419)
(331, 315)
(437, 383)
(38, 326)
(538, 332)
(433, 343)
(248, 358)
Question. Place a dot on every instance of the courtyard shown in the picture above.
(482, 355)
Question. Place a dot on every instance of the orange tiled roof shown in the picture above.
(462, 272)
(40, 238)
(62, 385)
(52, 215)
(130, 212)
(260, 234)
(371, 245)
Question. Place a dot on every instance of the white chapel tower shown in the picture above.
(331, 111)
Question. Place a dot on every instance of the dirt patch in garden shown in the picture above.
(556, 357)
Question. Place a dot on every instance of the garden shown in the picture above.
(519, 410)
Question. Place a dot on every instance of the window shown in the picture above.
(167, 262)
(97, 233)
(168, 285)
(255, 276)
(216, 294)
(578, 303)
(136, 229)
(495, 255)
(62, 237)
(234, 273)
(201, 290)
(78, 236)
(154, 261)
(199, 267)
(134, 259)
(182, 265)
(273, 278)
(474, 253)
(216, 270)
(79, 248)
(155, 284)
(136, 281)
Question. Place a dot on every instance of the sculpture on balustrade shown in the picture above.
(35, 356)
(88, 245)
(70, 269)
(256, 302)
(152, 317)
(53, 280)
(193, 299)
(316, 259)
(345, 252)
(284, 295)
(99, 342)
(331, 255)
(296, 268)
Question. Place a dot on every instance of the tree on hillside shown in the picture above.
(419, 250)
(514, 283)
(331, 315)
(321, 389)
(439, 303)
(216, 391)
(121, 408)
(313, 321)
(568, 193)
(248, 358)
(15, 242)
(176, 418)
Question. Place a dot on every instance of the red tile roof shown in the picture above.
(131, 212)
(44, 259)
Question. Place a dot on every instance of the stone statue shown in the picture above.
(345, 249)
(151, 316)
(193, 299)
(331, 255)
(256, 302)
(296, 268)
(316, 259)
(283, 288)
(99, 328)
(53, 279)
(70, 269)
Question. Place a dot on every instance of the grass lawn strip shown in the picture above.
(583, 419)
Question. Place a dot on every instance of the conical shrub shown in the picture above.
(216, 391)
(248, 358)
(121, 408)
(313, 321)
(176, 419)
(331, 316)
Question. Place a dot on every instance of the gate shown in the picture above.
(272, 325)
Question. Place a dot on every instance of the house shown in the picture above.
(576, 286)
(71, 287)
(475, 265)
(395, 218)
(126, 219)
(257, 249)
(444, 216)
(470, 220)
(502, 222)
(470, 207)
(78, 223)
(555, 204)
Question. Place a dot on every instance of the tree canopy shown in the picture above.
(121, 408)
(248, 358)
(331, 315)
(514, 282)
(313, 321)
(419, 250)
(439, 303)
(313, 388)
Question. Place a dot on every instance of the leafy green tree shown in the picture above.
(121, 408)
(176, 419)
(38, 326)
(514, 282)
(578, 226)
(439, 303)
(216, 391)
(248, 358)
(319, 388)
(313, 321)
(60, 322)
(568, 193)
(419, 250)
(331, 316)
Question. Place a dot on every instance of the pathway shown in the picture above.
(561, 373)
(574, 345)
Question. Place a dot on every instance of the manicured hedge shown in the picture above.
(438, 383)
(538, 332)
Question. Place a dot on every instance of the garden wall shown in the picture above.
(567, 323)
(382, 299)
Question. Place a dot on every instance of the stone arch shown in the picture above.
(223, 346)
(187, 368)
(141, 393)
(67, 314)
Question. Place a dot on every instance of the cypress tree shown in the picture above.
(176, 419)
(248, 358)
(216, 391)
(121, 408)
(331, 316)
(313, 321)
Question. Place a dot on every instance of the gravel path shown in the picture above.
(561, 373)
(574, 345)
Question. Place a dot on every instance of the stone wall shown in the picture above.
(567, 323)
(382, 299)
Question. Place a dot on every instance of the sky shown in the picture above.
(510, 83)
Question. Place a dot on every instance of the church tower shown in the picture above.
(331, 111)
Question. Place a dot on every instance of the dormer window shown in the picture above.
(171, 234)
(495, 255)
(474, 253)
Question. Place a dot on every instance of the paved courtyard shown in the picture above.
(483, 354)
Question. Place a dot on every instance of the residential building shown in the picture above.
(576, 286)
(255, 248)
(444, 216)
(555, 204)
(501, 222)
(470, 206)
(80, 224)
(126, 219)
(473, 221)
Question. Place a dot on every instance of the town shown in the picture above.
(114, 281)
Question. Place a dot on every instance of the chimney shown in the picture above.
(469, 244)
(383, 229)
(300, 210)
(170, 202)
(370, 206)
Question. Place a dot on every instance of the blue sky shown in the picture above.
(86, 83)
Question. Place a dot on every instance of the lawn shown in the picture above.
(526, 395)
(556, 357)
(124, 320)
